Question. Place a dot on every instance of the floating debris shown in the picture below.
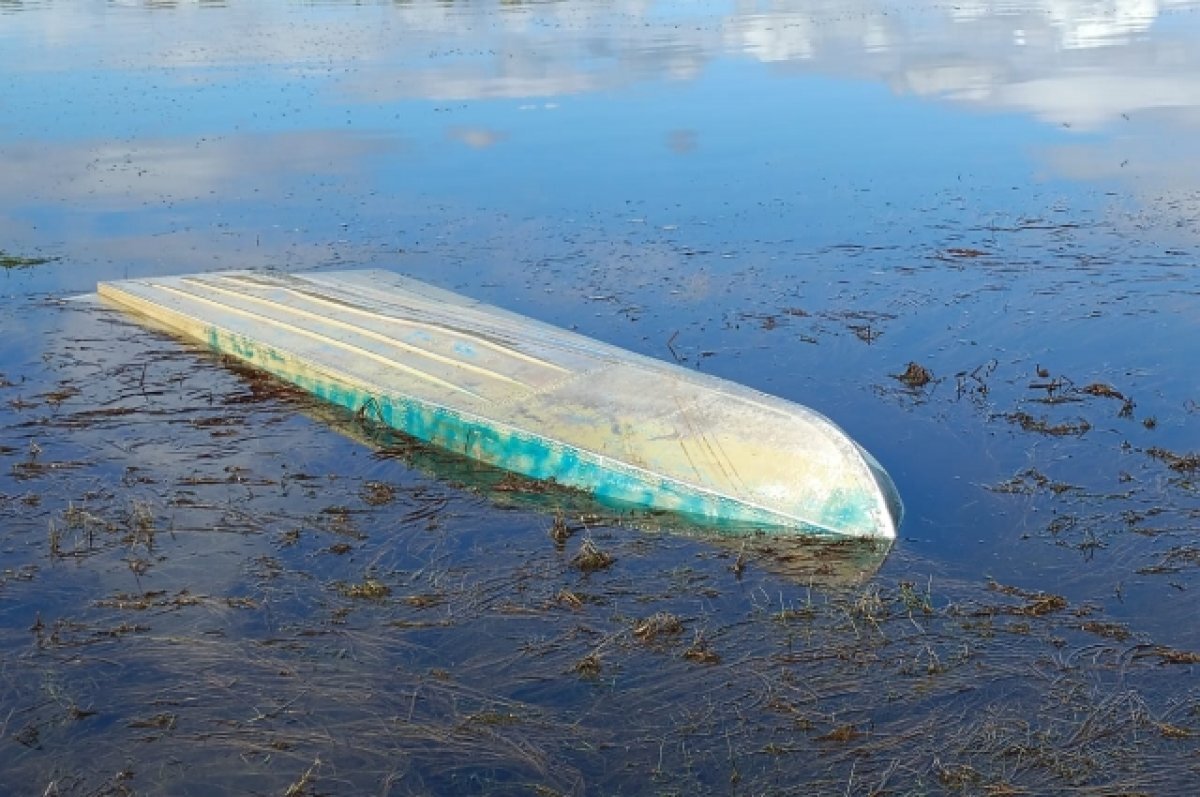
(1102, 390)
(841, 734)
(1044, 426)
(1182, 463)
(1115, 631)
(369, 589)
(1039, 604)
(915, 375)
(1029, 481)
(164, 721)
(1168, 655)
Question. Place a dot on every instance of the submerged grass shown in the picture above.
(280, 611)
(284, 704)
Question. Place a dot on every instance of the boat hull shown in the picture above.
(534, 399)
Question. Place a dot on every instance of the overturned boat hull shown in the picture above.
(532, 398)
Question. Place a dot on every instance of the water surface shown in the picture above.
(209, 584)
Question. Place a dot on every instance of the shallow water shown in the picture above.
(209, 584)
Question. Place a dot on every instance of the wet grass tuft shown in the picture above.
(589, 666)
(656, 626)
(700, 651)
(560, 532)
(956, 776)
(376, 493)
(302, 786)
(842, 734)
(569, 599)
(590, 558)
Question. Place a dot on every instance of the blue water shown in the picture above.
(800, 196)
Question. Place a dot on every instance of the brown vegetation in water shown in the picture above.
(590, 558)
(915, 375)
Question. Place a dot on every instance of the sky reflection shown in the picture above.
(361, 132)
(1073, 61)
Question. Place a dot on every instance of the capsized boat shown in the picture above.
(533, 398)
(816, 561)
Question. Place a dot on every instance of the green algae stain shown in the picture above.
(846, 510)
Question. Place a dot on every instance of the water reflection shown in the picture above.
(126, 175)
(1054, 58)
(476, 137)
(112, 111)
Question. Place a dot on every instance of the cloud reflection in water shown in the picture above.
(207, 105)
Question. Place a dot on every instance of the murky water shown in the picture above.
(209, 584)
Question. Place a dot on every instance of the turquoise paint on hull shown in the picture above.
(530, 455)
